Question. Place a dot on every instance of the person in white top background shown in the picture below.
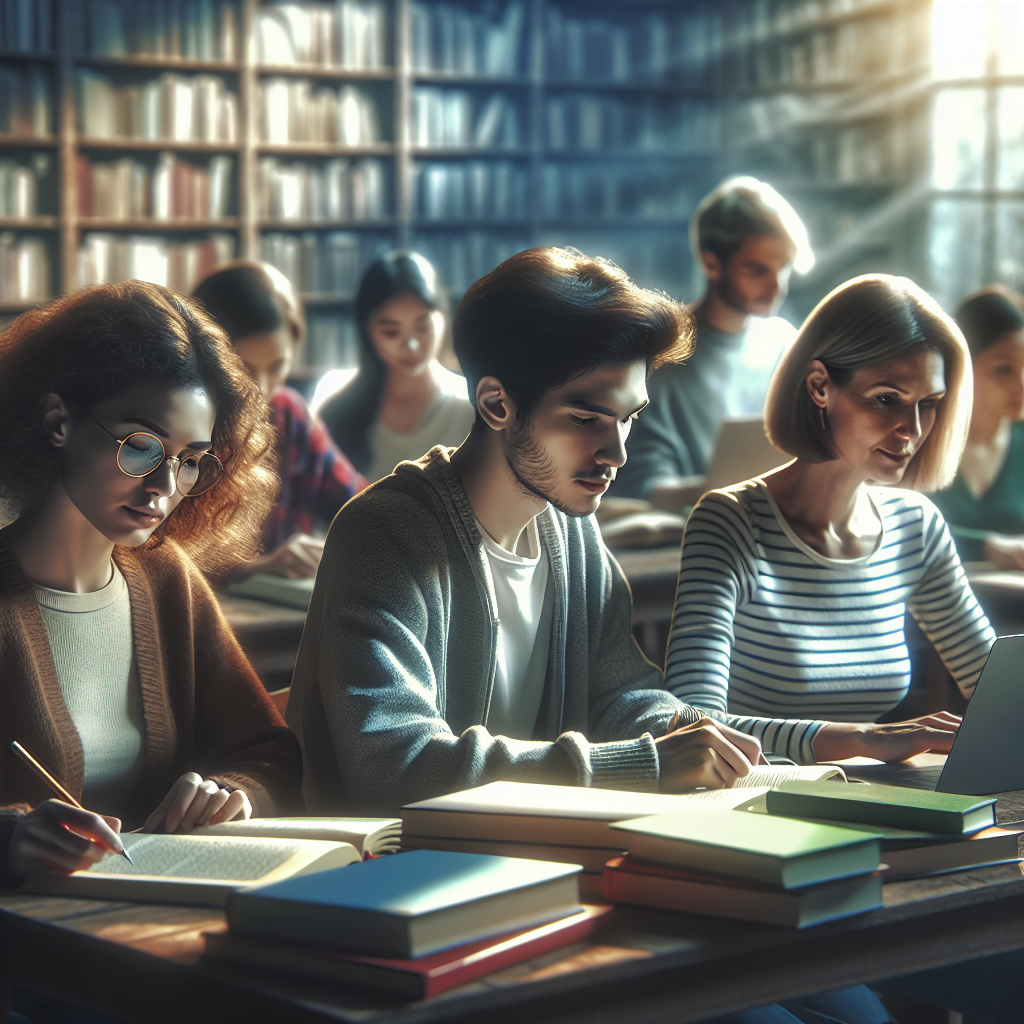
(401, 401)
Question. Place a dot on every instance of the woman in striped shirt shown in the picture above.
(789, 613)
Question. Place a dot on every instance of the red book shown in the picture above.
(419, 979)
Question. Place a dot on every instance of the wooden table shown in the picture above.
(144, 962)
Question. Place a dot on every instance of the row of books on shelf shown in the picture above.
(847, 152)
(850, 51)
(332, 339)
(21, 185)
(337, 189)
(329, 262)
(470, 190)
(762, 20)
(129, 189)
(685, 45)
(293, 110)
(175, 264)
(26, 101)
(173, 107)
(451, 39)
(348, 34)
(457, 117)
(462, 257)
(600, 190)
(592, 122)
(26, 26)
(24, 268)
(192, 29)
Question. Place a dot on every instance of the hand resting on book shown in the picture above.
(58, 837)
(705, 755)
(192, 801)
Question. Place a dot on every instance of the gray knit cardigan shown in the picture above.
(394, 675)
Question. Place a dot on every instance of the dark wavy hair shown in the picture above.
(90, 346)
(547, 315)
(351, 414)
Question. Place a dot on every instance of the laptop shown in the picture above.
(988, 752)
(741, 451)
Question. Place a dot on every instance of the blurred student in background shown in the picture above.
(789, 613)
(402, 401)
(748, 240)
(134, 451)
(985, 505)
(255, 304)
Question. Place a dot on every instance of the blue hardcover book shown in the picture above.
(410, 904)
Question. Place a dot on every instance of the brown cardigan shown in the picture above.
(204, 708)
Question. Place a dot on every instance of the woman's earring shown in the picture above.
(821, 418)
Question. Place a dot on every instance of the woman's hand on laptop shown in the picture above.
(705, 755)
(888, 741)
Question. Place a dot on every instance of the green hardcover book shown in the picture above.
(899, 806)
(752, 847)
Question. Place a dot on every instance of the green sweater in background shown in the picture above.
(999, 510)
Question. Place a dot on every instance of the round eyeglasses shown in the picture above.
(140, 454)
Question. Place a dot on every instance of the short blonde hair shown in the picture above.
(864, 322)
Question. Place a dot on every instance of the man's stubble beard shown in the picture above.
(534, 471)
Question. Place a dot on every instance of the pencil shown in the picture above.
(54, 785)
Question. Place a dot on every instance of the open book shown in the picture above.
(373, 836)
(197, 871)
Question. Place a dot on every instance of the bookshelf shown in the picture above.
(316, 135)
(469, 129)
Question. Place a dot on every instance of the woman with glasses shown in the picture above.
(134, 453)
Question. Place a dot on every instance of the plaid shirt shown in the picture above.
(316, 478)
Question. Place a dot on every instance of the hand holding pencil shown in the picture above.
(60, 835)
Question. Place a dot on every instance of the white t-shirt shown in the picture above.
(525, 602)
(91, 640)
(446, 420)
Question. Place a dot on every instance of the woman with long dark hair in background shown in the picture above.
(254, 302)
(402, 401)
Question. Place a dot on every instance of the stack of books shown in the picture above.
(413, 925)
(568, 824)
(921, 832)
(746, 866)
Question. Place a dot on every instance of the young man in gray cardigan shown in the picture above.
(467, 624)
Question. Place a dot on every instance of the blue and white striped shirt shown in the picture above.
(775, 639)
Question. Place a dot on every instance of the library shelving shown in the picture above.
(317, 135)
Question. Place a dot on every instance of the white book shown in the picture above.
(576, 815)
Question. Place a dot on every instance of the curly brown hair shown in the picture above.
(91, 345)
